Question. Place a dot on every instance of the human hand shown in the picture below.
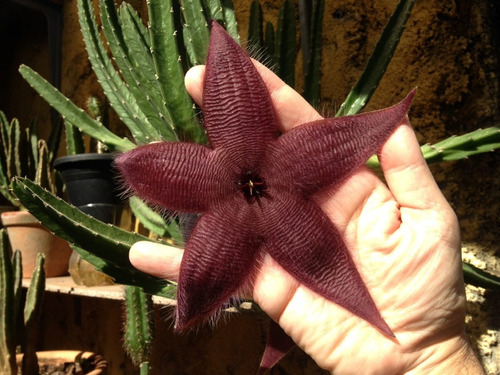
(404, 240)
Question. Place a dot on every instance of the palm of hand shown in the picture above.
(404, 240)
(406, 252)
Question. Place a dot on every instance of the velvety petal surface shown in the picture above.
(238, 113)
(178, 176)
(322, 153)
(302, 239)
(217, 261)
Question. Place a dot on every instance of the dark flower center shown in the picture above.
(252, 186)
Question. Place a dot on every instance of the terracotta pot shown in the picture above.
(54, 357)
(30, 237)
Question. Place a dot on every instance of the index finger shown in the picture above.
(406, 171)
(290, 108)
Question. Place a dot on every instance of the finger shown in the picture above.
(156, 259)
(290, 108)
(406, 172)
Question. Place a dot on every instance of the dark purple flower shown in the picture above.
(253, 187)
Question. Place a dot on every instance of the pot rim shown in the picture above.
(79, 158)
(18, 218)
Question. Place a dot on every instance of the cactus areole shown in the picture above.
(253, 188)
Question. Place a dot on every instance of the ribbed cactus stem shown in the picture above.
(286, 43)
(255, 33)
(18, 281)
(43, 174)
(32, 316)
(74, 139)
(7, 318)
(139, 327)
(312, 89)
(144, 368)
(94, 107)
(463, 146)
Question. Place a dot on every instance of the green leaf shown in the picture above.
(378, 61)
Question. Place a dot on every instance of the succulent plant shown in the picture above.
(10, 292)
(24, 154)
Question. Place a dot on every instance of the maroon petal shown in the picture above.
(306, 244)
(217, 261)
(238, 113)
(277, 346)
(318, 154)
(178, 176)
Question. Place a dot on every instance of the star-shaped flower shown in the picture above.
(253, 187)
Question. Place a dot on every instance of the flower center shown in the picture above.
(252, 186)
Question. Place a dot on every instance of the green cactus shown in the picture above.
(286, 43)
(7, 309)
(154, 60)
(32, 316)
(139, 327)
(457, 147)
(156, 223)
(255, 32)
(378, 61)
(195, 31)
(23, 154)
(104, 245)
(312, 57)
(10, 295)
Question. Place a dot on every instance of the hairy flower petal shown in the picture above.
(319, 154)
(254, 191)
(178, 176)
(218, 259)
(238, 113)
(304, 242)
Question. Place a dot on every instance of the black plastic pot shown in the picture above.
(91, 184)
